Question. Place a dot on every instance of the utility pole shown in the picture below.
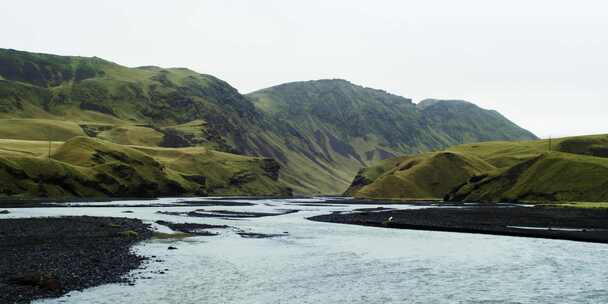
(50, 143)
(550, 147)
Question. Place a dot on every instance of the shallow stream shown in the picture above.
(312, 262)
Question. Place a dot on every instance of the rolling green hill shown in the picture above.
(428, 175)
(319, 132)
(88, 167)
(575, 169)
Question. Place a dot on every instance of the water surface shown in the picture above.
(333, 263)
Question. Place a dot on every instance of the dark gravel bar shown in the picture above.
(49, 257)
(575, 224)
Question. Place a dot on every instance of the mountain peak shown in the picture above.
(425, 103)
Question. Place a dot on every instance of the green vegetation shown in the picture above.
(87, 167)
(586, 205)
(575, 171)
(170, 236)
(554, 176)
(39, 129)
(423, 176)
(334, 127)
(319, 132)
(128, 234)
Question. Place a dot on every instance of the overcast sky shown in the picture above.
(543, 64)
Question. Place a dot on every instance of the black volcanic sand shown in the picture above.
(253, 235)
(589, 225)
(193, 229)
(48, 257)
(329, 201)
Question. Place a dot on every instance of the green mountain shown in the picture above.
(340, 127)
(319, 132)
(121, 131)
(567, 169)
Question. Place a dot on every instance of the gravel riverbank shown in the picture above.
(48, 257)
(577, 224)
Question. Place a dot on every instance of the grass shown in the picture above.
(88, 167)
(428, 175)
(170, 236)
(39, 129)
(551, 176)
(575, 170)
(585, 205)
(321, 132)
(132, 135)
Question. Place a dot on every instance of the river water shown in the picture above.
(332, 263)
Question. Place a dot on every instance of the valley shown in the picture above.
(319, 132)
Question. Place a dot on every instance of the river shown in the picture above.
(313, 262)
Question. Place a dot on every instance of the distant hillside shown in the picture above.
(320, 132)
(342, 127)
(576, 169)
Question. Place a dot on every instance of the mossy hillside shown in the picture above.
(27, 148)
(224, 173)
(586, 145)
(424, 176)
(320, 132)
(132, 135)
(504, 154)
(153, 95)
(551, 176)
(525, 170)
(39, 129)
(340, 127)
(85, 167)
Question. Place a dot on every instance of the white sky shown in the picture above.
(541, 63)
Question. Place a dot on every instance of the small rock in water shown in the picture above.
(172, 248)
(128, 211)
(5, 212)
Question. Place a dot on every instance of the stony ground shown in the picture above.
(590, 225)
(48, 257)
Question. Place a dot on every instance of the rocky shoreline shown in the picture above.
(49, 257)
(575, 224)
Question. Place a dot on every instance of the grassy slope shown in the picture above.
(39, 129)
(342, 127)
(46, 96)
(423, 176)
(524, 171)
(321, 132)
(554, 176)
(86, 167)
(575, 171)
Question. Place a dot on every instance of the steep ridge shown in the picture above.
(320, 132)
